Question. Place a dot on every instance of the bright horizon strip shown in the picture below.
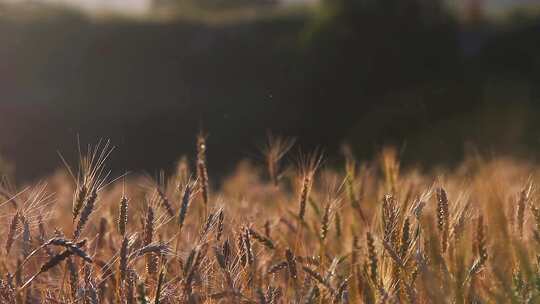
(141, 7)
(128, 7)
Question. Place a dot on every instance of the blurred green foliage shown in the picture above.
(370, 72)
(6, 169)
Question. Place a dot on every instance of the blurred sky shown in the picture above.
(141, 7)
(132, 7)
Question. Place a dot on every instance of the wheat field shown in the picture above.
(290, 230)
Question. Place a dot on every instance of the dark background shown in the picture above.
(410, 73)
